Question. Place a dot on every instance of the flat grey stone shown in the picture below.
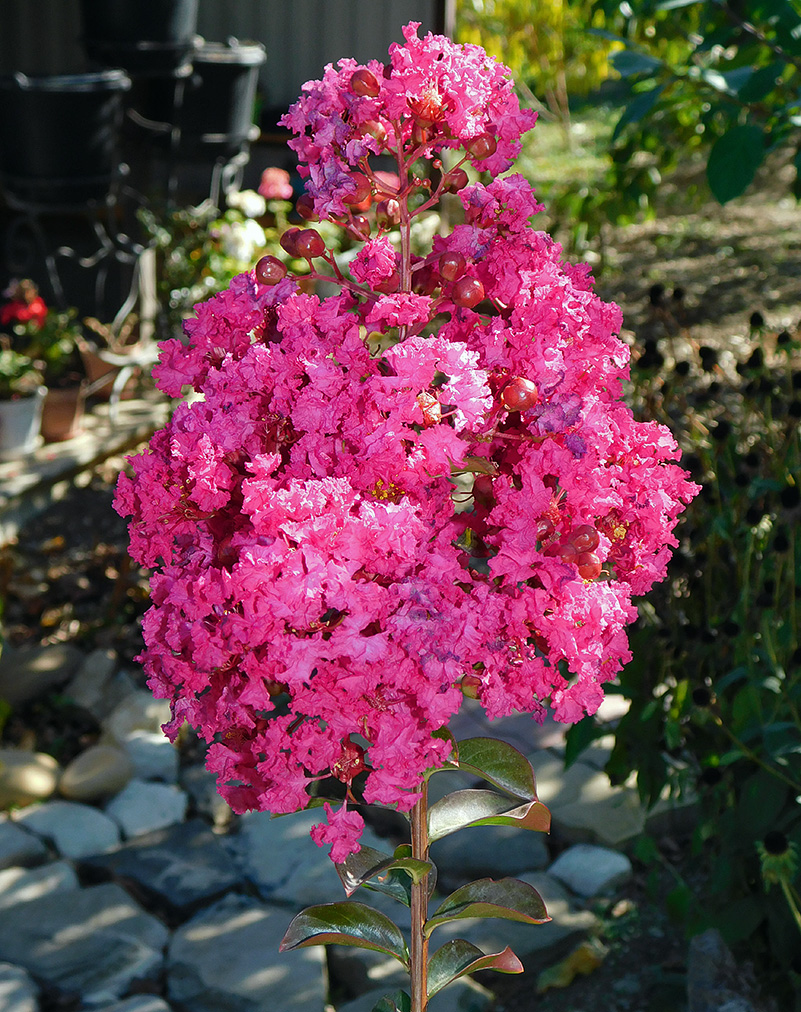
(75, 830)
(183, 866)
(93, 943)
(89, 687)
(153, 756)
(463, 995)
(601, 813)
(29, 672)
(494, 851)
(21, 885)
(139, 711)
(588, 870)
(18, 846)
(201, 785)
(142, 807)
(714, 982)
(18, 993)
(280, 858)
(138, 1003)
(492, 935)
(226, 959)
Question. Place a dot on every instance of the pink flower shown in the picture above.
(275, 184)
(375, 262)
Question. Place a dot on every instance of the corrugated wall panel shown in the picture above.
(40, 37)
(302, 36)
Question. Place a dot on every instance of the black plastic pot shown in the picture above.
(143, 36)
(59, 136)
(219, 96)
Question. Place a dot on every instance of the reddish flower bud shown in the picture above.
(364, 82)
(470, 686)
(287, 240)
(455, 180)
(372, 128)
(584, 538)
(269, 270)
(467, 292)
(309, 243)
(305, 207)
(589, 566)
(482, 147)
(359, 227)
(359, 190)
(519, 394)
(387, 213)
(389, 285)
(452, 266)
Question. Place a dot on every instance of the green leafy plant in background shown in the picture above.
(710, 77)
(715, 683)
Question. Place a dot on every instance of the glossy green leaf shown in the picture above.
(483, 808)
(637, 109)
(347, 923)
(733, 161)
(629, 62)
(393, 874)
(500, 764)
(506, 898)
(459, 957)
(399, 1001)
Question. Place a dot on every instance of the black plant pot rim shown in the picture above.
(100, 80)
(233, 51)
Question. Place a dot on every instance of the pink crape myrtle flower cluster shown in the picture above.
(325, 596)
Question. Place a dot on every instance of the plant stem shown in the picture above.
(418, 970)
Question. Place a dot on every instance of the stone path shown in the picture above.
(127, 885)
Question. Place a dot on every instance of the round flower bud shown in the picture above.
(467, 292)
(519, 394)
(482, 147)
(455, 180)
(309, 243)
(359, 190)
(470, 686)
(269, 270)
(589, 566)
(287, 240)
(364, 82)
(584, 538)
(387, 213)
(452, 266)
(305, 207)
(359, 227)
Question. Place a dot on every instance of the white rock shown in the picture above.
(75, 830)
(18, 993)
(600, 813)
(26, 776)
(153, 755)
(139, 1003)
(20, 885)
(90, 687)
(138, 712)
(142, 807)
(591, 871)
(99, 772)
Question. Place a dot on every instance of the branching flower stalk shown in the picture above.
(321, 608)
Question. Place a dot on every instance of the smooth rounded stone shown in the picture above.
(26, 777)
(142, 807)
(591, 871)
(713, 981)
(611, 816)
(18, 846)
(557, 786)
(29, 672)
(153, 756)
(226, 959)
(18, 992)
(99, 772)
(494, 851)
(94, 943)
(139, 711)
(75, 830)
(184, 866)
(19, 885)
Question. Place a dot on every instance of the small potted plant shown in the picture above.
(22, 395)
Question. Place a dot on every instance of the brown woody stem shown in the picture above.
(418, 970)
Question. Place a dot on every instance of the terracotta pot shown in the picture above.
(62, 415)
(96, 369)
(20, 421)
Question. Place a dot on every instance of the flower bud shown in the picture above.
(305, 207)
(482, 147)
(467, 292)
(455, 180)
(519, 394)
(387, 213)
(364, 82)
(359, 189)
(269, 270)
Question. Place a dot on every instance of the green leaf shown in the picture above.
(459, 957)
(399, 1001)
(506, 898)
(394, 873)
(346, 923)
(637, 109)
(629, 62)
(580, 736)
(483, 808)
(499, 763)
(733, 161)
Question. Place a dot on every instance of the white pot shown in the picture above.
(20, 421)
